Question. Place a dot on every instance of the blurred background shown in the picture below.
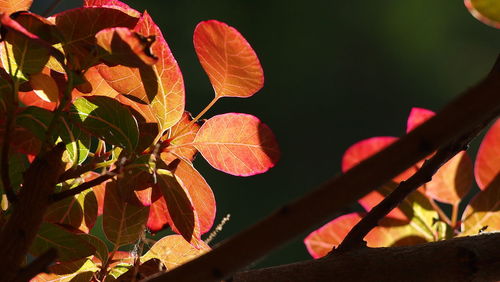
(336, 72)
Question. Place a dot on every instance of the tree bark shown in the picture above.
(22, 226)
(474, 258)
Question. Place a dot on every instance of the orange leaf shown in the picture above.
(79, 36)
(112, 3)
(487, 165)
(173, 251)
(228, 59)
(158, 215)
(390, 233)
(32, 99)
(483, 211)
(45, 87)
(181, 213)
(160, 86)
(11, 6)
(452, 181)
(126, 47)
(187, 136)
(200, 193)
(238, 144)
(98, 84)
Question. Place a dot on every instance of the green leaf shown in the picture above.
(68, 245)
(123, 223)
(108, 119)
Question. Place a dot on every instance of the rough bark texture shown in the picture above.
(475, 258)
(23, 224)
(476, 106)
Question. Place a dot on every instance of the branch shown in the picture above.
(82, 187)
(40, 264)
(354, 238)
(22, 226)
(477, 106)
(474, 258)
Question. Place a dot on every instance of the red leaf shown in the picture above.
(79, 35)
(228, 59)
(452, 181)
(417, 117)
(32, 99)
(199, 191)
(187, 136)
(373, 198)
(126, 47)
(487, 165)
(158, 215)
(238, 144)
(11, 6)
(160, 85)
(365, 149)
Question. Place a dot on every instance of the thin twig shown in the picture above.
(354, 238)
(82, 187)
(40, 264)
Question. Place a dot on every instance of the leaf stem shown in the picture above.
(441, 213)
(180, 132)
(454, 215)
(82, 187)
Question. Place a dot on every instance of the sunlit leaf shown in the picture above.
(487, 165)
(144, 270)
(417, 117)
(123, 223)
(201, 194)
(77, 141)
(32, 99)
(11, 6)
(107, 119)
(78, 212)
(238, 144)
(68, 245)
(173, 251)
(483, 211)
(74, 271)
(180, 209)
(228, 59)
(158, 215)
(99, 85)
(79, 36)
(452, 181)
(487, 11)
(179, 135)
(161, 85)
(390, 233)
(365, 149)
(112, 3)
(21, 55)
(45, 87)
(126, 47)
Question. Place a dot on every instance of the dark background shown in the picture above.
(336, 72)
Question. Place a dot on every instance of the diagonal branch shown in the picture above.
(476, 106)
(354, 238)
(474, 258)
